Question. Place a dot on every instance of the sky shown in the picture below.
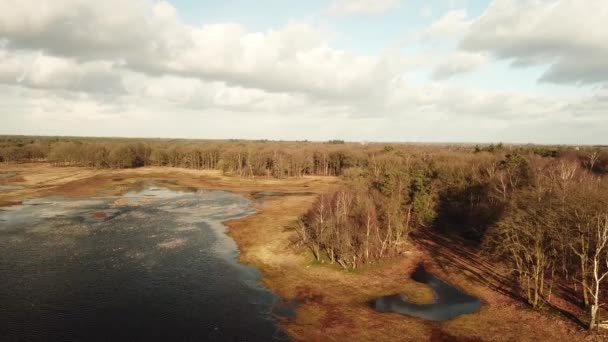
(519, 71)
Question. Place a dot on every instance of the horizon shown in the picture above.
(263, 140)
(385, 71)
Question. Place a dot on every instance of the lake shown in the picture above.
(153, 264)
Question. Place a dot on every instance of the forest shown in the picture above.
(540, 213)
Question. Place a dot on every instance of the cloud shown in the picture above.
(568, 36)
(450, 102)
(362, 7)
(149, 38)
(459, 63)
(82, 29)
(432, 112)
(37, 70)
(194, 94)
(451, 24)
(77, 63)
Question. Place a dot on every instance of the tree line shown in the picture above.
(250, 158)
(242, 158)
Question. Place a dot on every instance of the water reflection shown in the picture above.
(153, 264)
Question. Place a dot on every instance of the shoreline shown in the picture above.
(333, 302)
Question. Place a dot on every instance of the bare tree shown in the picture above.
(599, 271)
(592, 158)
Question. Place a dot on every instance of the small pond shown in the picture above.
(449, 302)
(154, 264)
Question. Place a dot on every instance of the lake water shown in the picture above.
(153, 264)
(450, 302)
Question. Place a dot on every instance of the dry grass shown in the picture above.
(333, 302)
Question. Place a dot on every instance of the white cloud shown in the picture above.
(568, 36)
(362, 7)
(75, 63)
(433, 112)
(80, 28)
(37, 70)
(450, 25)
(149, 38)
(194, 94)
(452, 102)
(459, 63)
(296, 58)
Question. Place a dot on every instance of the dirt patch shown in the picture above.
(307, 295)
(5, 203)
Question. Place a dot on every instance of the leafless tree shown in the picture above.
(599, 268)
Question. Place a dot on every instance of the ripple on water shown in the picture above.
(160, 269)
(172, 243)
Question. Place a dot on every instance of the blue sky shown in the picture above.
(390, 70)
(362, 33)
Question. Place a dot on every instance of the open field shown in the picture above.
(333, 302)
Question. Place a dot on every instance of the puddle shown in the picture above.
(449, 303)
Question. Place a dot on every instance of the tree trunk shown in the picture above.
(592, 322)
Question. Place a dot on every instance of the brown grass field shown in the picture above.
(333, 302)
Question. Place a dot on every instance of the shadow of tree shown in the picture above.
(467, 211)
(462, 254)
(439, 335)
